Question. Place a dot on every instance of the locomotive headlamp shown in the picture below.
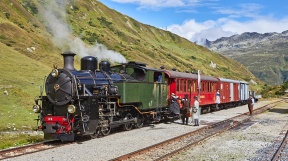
(71, 109)
(36, 108)
(54, 73)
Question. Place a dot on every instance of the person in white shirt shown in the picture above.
(196, 112)
(218, 100)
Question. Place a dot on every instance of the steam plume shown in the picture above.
(55, 18)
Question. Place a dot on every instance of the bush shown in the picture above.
(30, 6)
(104, 22)
(193, 57)
(7, 15)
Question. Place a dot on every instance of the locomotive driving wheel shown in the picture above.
(96, 134)
(105, 128)
(140, 121)
(128, 126)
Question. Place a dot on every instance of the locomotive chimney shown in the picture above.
(68, 60)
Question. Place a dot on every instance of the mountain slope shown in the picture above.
(265, 55)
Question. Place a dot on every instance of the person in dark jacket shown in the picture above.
(174, 106)
(250, 104)
(185, 110)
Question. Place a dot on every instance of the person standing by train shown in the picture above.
(217, 99)
(196, 111)
(250, 104)
(185, 110)
(174, 106)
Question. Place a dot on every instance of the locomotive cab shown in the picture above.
(148, 94)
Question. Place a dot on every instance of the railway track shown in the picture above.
(282, 152)
(27, 149)
(168, 148)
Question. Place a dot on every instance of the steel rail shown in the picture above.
(28, 149)
(281, 147)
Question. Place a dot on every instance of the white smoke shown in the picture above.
(54, 14)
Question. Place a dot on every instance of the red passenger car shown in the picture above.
(229, 92)
(187, 83)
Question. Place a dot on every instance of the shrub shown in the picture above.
(193, 57)
(30, 6)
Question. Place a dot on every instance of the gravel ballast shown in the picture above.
(253, 141)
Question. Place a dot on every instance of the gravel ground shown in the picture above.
(117, 144)
(253, 141)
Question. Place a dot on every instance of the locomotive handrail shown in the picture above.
(93, 79)
(148, 112)
(80, 107)
(108, 77)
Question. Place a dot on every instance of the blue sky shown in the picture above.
(207, 19)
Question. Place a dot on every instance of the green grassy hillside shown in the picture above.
(21, 76)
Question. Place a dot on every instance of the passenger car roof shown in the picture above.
(175, 74)
(229, 80)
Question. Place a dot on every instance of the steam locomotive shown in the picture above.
(91, 101)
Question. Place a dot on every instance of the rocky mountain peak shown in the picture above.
(265, 55)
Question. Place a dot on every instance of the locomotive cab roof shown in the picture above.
(136, 63)
(139, 71)
(133, 64)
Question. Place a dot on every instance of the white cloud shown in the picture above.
(210, 34)
(189, 28)
(257, 25)
(244, 10)
(225, 27)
